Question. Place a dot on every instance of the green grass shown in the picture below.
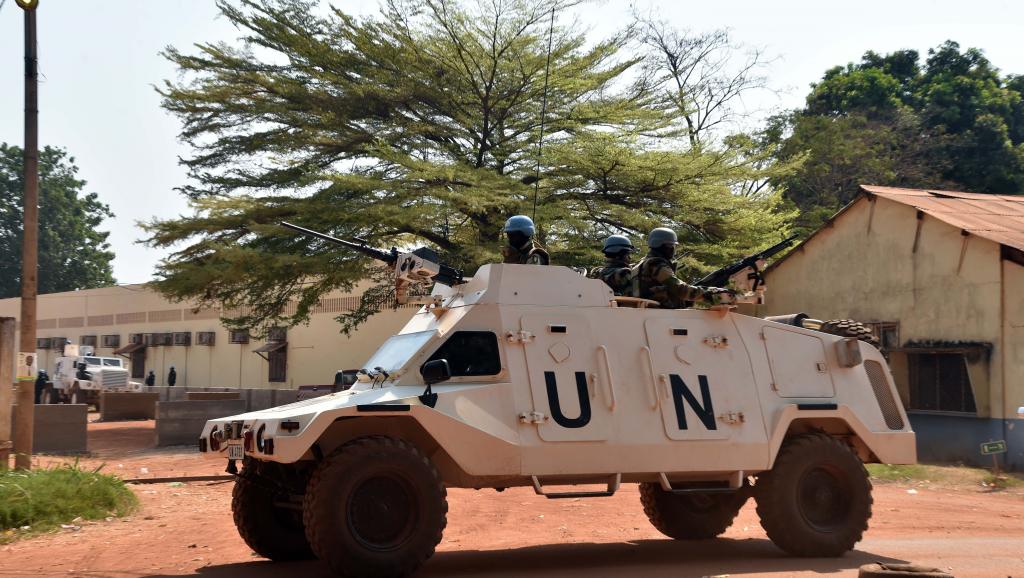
(890, 473)
(1002, 481)
(41, 500)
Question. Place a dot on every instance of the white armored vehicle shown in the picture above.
(535, 376)
(79, 377)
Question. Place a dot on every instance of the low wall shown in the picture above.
(208, 395)
(117, 406)
(181, 422)
(256, 399)
(953, 438)
(58, 429)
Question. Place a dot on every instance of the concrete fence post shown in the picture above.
(7, 349)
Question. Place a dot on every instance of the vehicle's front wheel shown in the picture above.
(696, 516)
(51, 396)
(816, 500)
(268, 519)
(375, 507)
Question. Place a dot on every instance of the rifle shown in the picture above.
(415, 267)
(744, 275)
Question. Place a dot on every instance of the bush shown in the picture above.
(44, 499)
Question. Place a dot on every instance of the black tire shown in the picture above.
(849, 328)
(375, 507)
(690, 516)
(816, 500)
(51, 396)
(270, 530)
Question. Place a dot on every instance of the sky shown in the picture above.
(99, 62)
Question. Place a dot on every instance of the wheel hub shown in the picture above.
(381, 512)
(823, 499)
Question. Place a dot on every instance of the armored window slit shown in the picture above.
(558, 329)
(677, 331)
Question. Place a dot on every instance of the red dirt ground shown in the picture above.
(186, 530)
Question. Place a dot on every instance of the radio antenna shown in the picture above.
(543, 114)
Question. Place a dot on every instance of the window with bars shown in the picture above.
(278, 365)
(277, 334)
(940, 382)
(238, 336)
(89, 340)
(887, 333)
(111, 341)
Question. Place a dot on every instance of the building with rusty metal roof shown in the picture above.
(939, 277)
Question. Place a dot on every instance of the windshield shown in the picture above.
(109, 362)
(397, 350)
(92, 360)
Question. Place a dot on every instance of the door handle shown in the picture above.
(608, 372)
(653, 391)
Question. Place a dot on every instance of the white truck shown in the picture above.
(79, 376)
(535, 376)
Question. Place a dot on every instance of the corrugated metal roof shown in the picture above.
(998, 218)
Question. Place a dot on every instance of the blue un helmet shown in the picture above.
(662, 236)
(520, 224)
(617, 244)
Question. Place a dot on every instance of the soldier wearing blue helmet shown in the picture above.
(655, 276)
(616, 272)
(521, 248)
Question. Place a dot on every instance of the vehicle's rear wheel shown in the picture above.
(267, 517)
(849, 328)
(694, 516)
(816, 500)
(375, 507)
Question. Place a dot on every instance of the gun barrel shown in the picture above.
(721, 276)
(388, 257)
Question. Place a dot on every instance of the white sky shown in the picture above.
(99, 63)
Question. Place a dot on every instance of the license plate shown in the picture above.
(236, 452)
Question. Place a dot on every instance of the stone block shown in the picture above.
(116, 406)
(181, 422)
(58, 428)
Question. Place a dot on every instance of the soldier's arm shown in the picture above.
(537, 258)
(677, 288)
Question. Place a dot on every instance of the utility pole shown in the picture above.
(30, 241)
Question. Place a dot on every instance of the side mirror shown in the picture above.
(435, 371)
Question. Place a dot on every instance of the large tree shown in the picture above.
(422, 124)
(73, 253)
(950, 121)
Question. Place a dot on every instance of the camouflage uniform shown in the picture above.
(655, 278)
(617, 274)
(529, 254)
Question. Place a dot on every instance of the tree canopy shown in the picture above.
(951, 121)
(73, 253)
(421, 124)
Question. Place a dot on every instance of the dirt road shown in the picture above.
(184, 530)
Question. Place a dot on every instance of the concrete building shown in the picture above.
(940, 278)
(155, 334)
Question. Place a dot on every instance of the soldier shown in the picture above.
(151, 378)
(521, 248)
(616, 272)
(172, 377)
(655, 276)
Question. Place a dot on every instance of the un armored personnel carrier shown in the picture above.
(535, 376)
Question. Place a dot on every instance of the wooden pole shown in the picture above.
(30, 242)
(7, 349)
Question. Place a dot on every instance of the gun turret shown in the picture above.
(412, 268)
(744, 275)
